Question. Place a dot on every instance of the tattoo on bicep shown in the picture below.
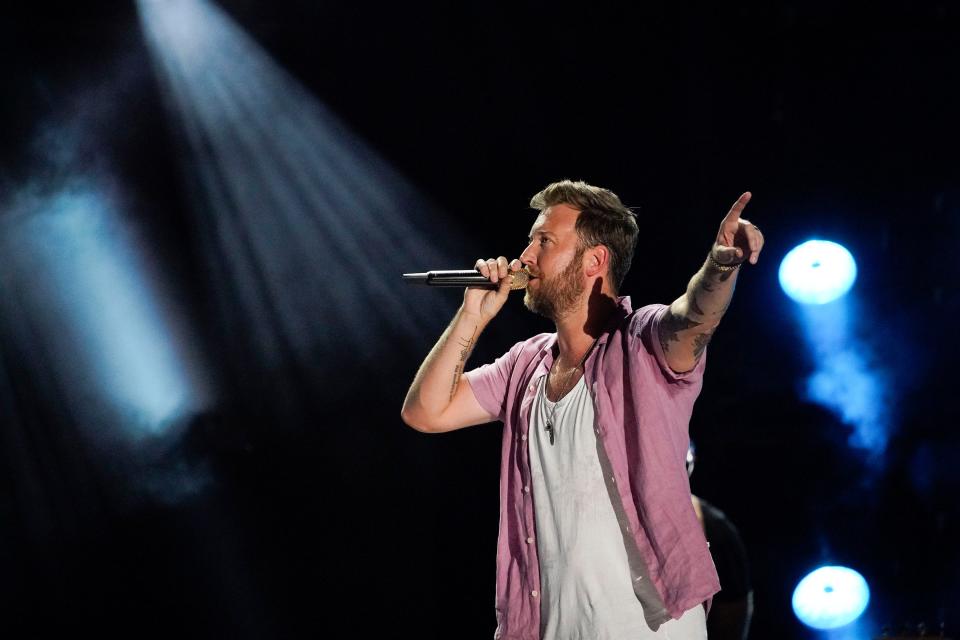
(671, 325)
(466, 346)
(700, 344)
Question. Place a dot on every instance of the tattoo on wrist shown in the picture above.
(466, 347)
(712, 276)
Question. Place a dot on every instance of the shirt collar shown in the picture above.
(624, 308)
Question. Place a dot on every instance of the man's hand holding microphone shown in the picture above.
(484, 303)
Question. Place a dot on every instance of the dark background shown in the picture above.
(329, 516)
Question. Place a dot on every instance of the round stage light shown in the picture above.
(830, 597)
(817, 272)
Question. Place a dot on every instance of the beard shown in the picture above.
(555, 297)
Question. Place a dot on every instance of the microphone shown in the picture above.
(465, 278)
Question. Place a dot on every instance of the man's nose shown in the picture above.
(528, 257)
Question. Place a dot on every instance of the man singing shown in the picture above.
(598, 536)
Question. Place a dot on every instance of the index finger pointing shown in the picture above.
(738, 206)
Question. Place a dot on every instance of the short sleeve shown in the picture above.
(490, 382)
(645, 324)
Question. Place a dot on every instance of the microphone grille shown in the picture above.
(520, 280)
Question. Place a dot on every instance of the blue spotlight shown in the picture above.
(830, 597)
(817, 272)
(92, 294)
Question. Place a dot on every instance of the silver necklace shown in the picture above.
(551, 419)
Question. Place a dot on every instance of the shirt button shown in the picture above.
(534, 593)
(529, 540)
(526, 489)
(523, 437)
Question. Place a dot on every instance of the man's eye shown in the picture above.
(543, 240)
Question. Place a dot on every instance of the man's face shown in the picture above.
(554, 257)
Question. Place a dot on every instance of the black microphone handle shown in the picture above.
(454, 278)
(464, 278)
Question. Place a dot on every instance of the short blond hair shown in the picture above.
(603, 220)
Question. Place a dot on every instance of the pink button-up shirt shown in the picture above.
(642, 412)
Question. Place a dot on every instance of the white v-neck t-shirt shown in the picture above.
(593, 586)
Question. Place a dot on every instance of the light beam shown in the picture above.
(86, 283)
(303, 223)
(847, 378)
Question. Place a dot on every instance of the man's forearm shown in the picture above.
(687, 328)
(693, 317)
(439, 376)
(709, 293)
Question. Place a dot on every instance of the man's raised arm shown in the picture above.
(438, 400)
(689, 324)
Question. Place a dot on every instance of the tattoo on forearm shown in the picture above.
(466, 348)
(694, 307)
(673, 324)
(709, 281)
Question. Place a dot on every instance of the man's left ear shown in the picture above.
(598, 259)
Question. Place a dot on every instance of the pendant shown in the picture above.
(549, 430)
